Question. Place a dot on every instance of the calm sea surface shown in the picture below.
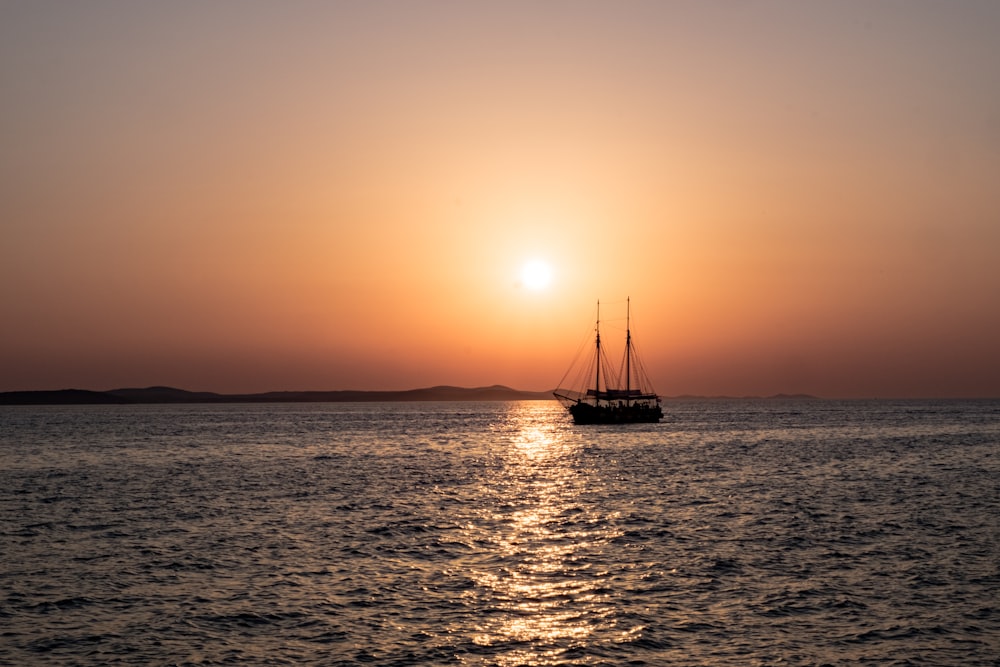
(733, 533)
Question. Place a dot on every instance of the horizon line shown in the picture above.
(149, 392)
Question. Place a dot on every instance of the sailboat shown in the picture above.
(623, 397)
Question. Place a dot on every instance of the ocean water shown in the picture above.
(732, 533)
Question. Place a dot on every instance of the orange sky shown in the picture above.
(244, 196)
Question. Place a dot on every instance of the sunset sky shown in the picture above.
(252, 196)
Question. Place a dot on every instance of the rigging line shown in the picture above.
(576, 358)
(612, 377)
(644, 376)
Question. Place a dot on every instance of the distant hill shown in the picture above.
(60, 397)
(440, 393)
(159, 395)
(165, 395)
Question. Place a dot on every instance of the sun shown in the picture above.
(536, 274)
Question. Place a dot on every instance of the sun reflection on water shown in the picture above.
(542, 591)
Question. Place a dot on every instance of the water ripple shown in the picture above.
(737, 533)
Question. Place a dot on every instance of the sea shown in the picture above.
(734, 532)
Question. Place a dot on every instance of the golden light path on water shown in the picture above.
(547, 588)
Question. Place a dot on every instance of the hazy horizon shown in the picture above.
(520, 390)
(798, 198)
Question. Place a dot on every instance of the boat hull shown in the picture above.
(587, 413)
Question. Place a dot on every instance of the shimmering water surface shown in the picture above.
(733, 533)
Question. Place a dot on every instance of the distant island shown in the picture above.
(150, 395)
(160, 395)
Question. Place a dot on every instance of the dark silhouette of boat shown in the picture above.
(622, 397)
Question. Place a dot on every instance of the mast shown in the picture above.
(597, 377)
(628, 350)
